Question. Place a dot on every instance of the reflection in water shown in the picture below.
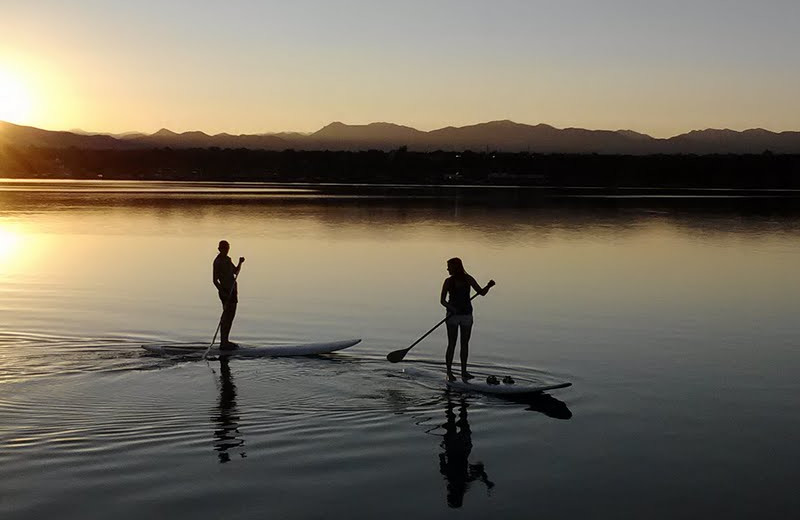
(368, 210)
(543, 403)
(14, 244)
(456, 442)
(454, 460)
(8, 240)
(227, 436)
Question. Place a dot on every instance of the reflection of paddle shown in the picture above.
(398, 355)
(224, 308)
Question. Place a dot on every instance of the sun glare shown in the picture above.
(9, 242)
(21, 250)
(15, 102)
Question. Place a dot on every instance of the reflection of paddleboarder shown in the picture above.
(224, 279)
(226, 436)
(455, 298)
(454, 460)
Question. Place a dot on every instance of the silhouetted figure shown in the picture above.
(455, 297)
(225, 281)
(454, 460)
(227, 434)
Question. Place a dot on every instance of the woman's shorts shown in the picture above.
(465, 320)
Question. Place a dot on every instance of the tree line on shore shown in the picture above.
(401, 166)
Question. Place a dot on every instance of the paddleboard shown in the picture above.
(520, 388)
(480, 385)
(197, 349)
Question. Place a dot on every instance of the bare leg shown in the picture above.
(228, 313)
(452, 336)
(466, 334)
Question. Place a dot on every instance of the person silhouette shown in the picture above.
(455, 298)
(224, 278)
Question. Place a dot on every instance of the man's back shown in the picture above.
(224, 271)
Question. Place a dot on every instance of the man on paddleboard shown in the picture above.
(225, 281)
(455, 298)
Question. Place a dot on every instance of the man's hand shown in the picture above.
(241, 260)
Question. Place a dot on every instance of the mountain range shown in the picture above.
(506, 136)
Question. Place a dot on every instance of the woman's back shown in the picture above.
(458, 288)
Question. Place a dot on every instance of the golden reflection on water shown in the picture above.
(8, 242)
(18, 248)
(141, 264)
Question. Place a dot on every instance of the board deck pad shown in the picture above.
(197, 349)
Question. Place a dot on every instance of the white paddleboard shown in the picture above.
(197, 349)
(480, 385)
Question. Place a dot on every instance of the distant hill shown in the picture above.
(167, 138)
(504, 135)
(123, 135)
(755, 140)
(510, 136)
(374, 135)
(11, 134)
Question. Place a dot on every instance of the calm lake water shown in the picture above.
(676, 320)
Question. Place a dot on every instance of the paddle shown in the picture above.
(398, 355)
(219, 324)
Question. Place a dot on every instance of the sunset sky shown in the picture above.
(661, 68)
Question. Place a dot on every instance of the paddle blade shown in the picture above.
(397, 355)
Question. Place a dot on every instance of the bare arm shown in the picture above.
(478, 289)
(215, 276)
(443, 298)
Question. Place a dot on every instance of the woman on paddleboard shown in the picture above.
(455, 298)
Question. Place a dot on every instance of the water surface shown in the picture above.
(674, 318)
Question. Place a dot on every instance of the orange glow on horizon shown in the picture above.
(38, 94)
(15, 98)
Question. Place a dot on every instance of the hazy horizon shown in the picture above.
(311, 132)
(268, 67)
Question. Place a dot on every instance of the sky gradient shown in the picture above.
(263, 66)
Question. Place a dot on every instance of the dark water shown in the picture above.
(675, 319)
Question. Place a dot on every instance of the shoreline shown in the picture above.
(404, 168)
